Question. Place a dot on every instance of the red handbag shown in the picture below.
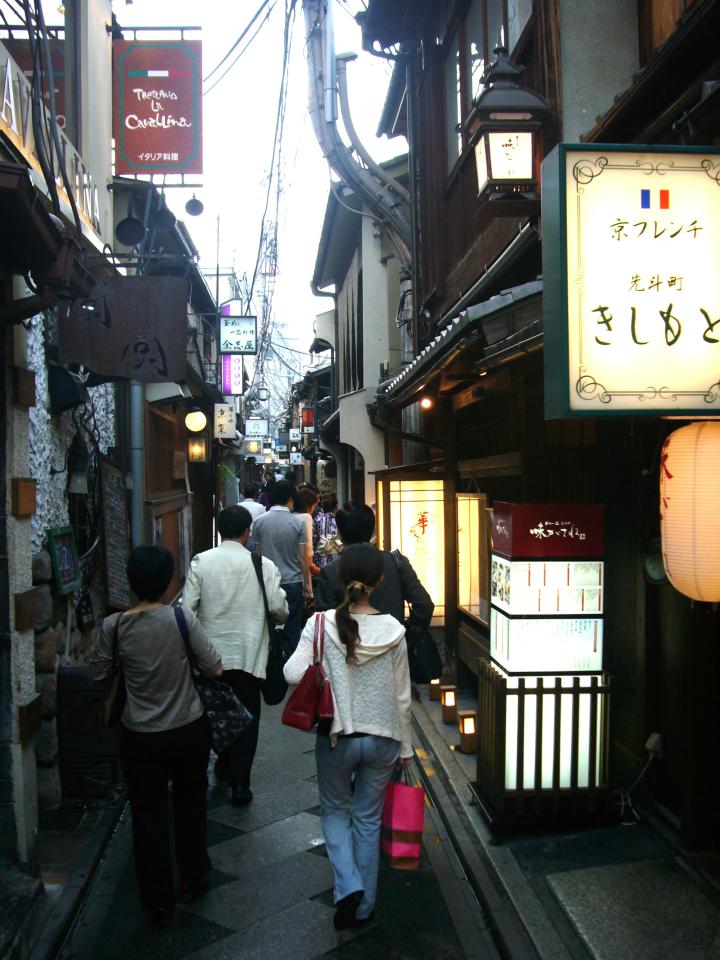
(311, 700)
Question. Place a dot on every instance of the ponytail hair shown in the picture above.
(360, 569)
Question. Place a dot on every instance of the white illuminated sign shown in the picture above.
(294, 435)
(642, 284)
(238, 333)
(539, 645)
(256, 427)
(417, 529)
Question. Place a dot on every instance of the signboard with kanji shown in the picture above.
(238, 334)
(157, 106)
(631, 291)
(224, 422)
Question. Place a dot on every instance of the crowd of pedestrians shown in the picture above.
(287, 559)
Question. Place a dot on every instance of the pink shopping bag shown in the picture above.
(402, 822)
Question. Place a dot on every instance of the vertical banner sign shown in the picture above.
(632, 290)
(157, 106)
(232, 374)
(224, 422)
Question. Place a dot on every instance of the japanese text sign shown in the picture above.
(256, 427)
(238, 334)
(232, 374)
(295, 435)
(632, 292)
(131, 327)
(224, 422)
(157, 106)
(547, 530)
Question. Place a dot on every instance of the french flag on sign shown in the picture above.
(662, 197)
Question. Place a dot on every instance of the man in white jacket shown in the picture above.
(223, 589)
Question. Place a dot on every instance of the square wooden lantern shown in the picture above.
(448, 699)
(467, 722)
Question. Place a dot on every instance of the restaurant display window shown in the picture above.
(413, 522)
(473, 556)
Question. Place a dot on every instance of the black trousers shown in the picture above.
(238, 758)
(151, 761)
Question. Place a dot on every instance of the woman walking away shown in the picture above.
(365, 658)
(165, 734)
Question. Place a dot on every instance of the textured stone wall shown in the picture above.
(56, 637)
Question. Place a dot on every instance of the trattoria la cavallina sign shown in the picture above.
(631, 240)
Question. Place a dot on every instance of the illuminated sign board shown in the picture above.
(417, 530)
(631, 289)
(232, 374)
(256, 427)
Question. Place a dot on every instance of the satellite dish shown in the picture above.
(194, 207)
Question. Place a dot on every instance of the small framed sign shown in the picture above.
(65, 564)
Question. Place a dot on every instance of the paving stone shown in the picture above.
(268, 807)
(650, 910)
(301, 932)
(243, 902)
(252, 853)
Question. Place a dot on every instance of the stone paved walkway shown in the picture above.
(271, 884)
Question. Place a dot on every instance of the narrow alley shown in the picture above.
(271, 884)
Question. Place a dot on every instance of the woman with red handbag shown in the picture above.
(365, 660)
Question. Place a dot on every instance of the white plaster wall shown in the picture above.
(355, 430)
(376, 296)
(598, 56)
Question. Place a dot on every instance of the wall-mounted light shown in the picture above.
(195, 419)
(467, 722)
(448, 699)
(434, 689)
(503, 124)
(426, 403)
(197, 449)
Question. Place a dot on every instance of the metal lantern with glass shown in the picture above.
(502, 126)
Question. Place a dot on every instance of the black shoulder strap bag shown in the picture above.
(423, 656)
(274, 686)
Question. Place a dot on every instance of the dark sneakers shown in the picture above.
(345, 910)
(193, 891)
(241, 796)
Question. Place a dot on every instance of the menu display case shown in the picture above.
(543, 695)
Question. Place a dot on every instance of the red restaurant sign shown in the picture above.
(157, 106)
(548, 530)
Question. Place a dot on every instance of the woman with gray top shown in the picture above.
(165, 734)
(365, 659)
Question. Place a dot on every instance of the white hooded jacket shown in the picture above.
(372, 695)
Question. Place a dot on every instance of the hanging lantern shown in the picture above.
(689, 514)
(502, 126)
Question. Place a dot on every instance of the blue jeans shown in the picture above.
(351, 820)
(296, 602)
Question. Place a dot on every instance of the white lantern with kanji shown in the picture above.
(690, 510)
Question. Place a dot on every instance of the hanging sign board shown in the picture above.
(224, 421)
(64, 558)
(131, 327)
(238, 334)
(232, 374)
(294, 435)
(256, 427)
(116, 535)
(157, 106)
(631, 290)
(295, 458)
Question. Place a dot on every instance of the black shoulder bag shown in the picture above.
(423, 656)
(274, 686)
(114, 695)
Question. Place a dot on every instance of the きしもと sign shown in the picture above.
(632, 293)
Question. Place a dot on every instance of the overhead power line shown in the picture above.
(238, 41)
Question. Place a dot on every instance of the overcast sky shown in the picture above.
(239, 120)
